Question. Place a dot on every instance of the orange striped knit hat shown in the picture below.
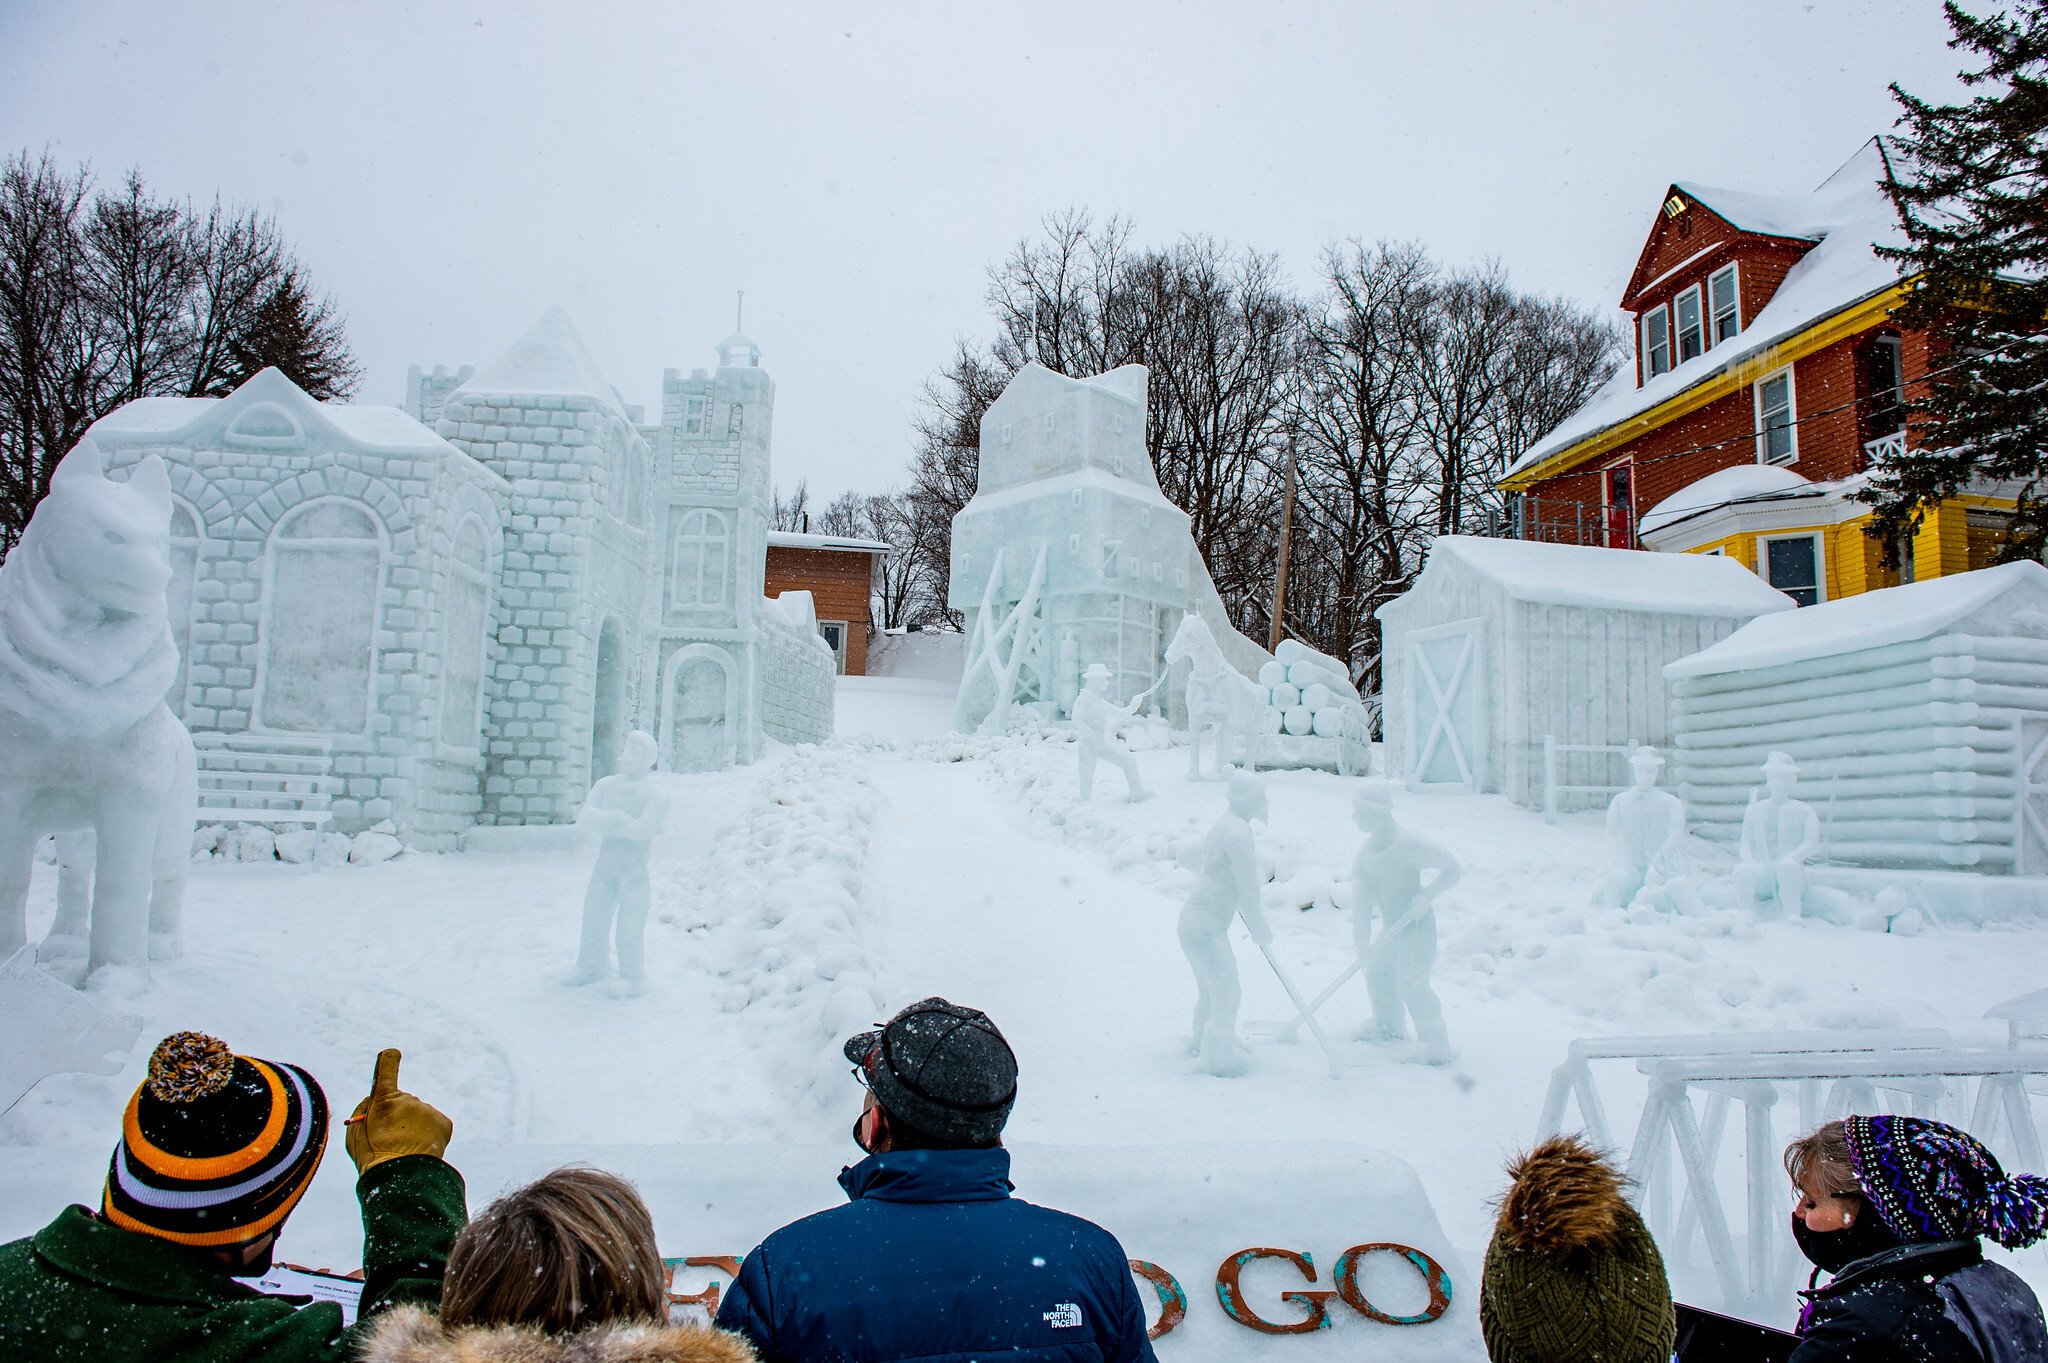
(216, 1148)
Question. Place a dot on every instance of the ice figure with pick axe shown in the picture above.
(1387, 882)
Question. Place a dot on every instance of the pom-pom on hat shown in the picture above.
(1930, 1181)
(1572, 1273)
(216, 1148)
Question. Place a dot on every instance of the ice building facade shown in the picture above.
(458, 623)
(1068, 554)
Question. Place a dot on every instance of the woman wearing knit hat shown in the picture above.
(1894, 1208)
(1572, 1275)
(216, 1150)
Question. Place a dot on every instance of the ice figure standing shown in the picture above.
(1386, 879)
(626, 810)
(1096, 720)
(86, 740)
(1648, 828)
(1779, 836)
(1226, 887)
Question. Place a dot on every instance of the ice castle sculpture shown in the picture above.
(1069, 554)
(459, 622)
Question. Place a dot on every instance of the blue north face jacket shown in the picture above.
(934, 1260)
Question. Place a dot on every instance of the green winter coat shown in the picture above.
(83, 1291)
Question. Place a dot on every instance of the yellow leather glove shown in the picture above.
(391, 1122)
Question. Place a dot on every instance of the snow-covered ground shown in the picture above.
(803, 898)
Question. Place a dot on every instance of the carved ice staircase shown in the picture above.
(262, 778)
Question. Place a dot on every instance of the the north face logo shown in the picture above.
(1065, 1316)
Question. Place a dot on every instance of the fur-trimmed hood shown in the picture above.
(1563, 1198)
(406, 1334)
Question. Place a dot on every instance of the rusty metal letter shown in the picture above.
(1173, 1303)
(1232, 1298)
(1438, 1281)
(708, 1298)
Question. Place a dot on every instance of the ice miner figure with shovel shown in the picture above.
(1387, 880)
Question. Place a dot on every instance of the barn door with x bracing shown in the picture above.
(1447, 705)
(2033, 811)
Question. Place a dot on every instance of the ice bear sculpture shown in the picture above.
(86, 740)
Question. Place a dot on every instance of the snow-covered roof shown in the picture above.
(1849, 215)
(172, 420)
(549, 358)
(792, 539)
(1613, 579)
(1742, 483)
(1891, 615)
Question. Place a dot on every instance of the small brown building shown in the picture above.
(839, 574)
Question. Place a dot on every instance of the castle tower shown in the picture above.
(711, 518)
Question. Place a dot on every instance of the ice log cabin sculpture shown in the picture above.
(86, 740)
(1068, 553)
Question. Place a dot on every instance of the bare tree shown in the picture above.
(792, 513)
(110, 297)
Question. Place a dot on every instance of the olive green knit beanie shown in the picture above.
(1572, 1275)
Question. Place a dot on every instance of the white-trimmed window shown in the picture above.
(697, 562)
(1724, 303)
(323, 574)
(1692, 332)
(1777, 431)
(1794, 565)
(1656, 342)
(465, 627)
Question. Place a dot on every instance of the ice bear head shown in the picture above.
(107, 544)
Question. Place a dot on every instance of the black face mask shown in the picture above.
(1834, 1250)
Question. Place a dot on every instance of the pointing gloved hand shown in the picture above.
(391, 1122)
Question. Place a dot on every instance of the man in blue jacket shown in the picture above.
(932, 1259)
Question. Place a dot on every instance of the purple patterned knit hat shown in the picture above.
(1930, 1181)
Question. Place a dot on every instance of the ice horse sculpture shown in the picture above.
(1068, 553)
(86, 741)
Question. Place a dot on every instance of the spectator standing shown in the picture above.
(564, 1270)
(216, 1151)
(1572, 1274)
(1895, 1208)
(932, 1258)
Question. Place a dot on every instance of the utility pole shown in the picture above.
(1280, 572)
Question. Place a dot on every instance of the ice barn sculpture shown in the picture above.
(460, 624)
(1501, 644)
(1068, 554)
(1918, 716)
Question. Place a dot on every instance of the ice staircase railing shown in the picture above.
(245, 778)
(1830, 1074)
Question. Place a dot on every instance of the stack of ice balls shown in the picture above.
(1309, 693)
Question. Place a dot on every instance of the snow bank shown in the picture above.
(792, 937)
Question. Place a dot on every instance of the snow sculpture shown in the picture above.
(626, 810)
(1068, 552)
(1779, 836)
(86, 741)
(46, 1029)
(1226, 887)
(1386, 878)
(1648, 828)
(1918, 715)
(1096, 719)
(1220, 700)
(1322, 721)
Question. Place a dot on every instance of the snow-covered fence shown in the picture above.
(1555, 757)
(1854, 1081)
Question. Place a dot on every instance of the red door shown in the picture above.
(1620, 516)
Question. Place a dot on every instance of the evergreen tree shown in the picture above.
(1971, 185)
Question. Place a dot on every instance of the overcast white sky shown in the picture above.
(450, 169)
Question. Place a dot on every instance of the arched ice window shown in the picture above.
(465, 630)
(184, 550)
(697, 561)
(323, 574)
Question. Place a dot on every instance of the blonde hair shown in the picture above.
(573, 1249)
(1824, 1154)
